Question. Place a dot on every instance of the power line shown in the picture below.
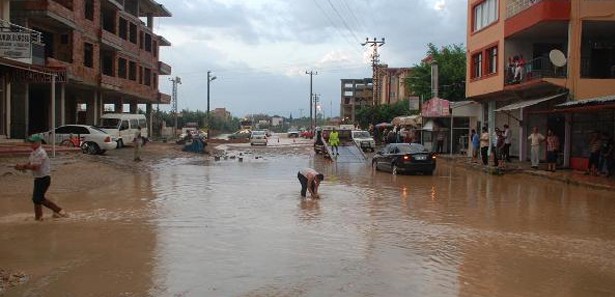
(343, 21)
(350, 42)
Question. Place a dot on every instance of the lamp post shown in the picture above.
(209, 79)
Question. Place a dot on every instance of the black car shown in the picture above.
(405, 158)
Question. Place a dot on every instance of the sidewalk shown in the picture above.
(567, 176)
(18, 147)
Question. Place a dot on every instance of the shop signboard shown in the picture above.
(414, 103)
(436, 107)
(15, 45)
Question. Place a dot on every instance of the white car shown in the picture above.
(258, 137)
(363, 140)
(92, 140)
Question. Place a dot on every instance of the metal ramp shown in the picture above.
(348, 153)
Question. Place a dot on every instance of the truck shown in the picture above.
(123, 126)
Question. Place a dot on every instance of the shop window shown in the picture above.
(88, 55)
(484, 14)
(477, 65)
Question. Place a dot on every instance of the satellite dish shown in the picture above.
(557, 58)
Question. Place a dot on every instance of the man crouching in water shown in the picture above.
(310, 180)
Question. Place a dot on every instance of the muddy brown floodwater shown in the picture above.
(191, 226)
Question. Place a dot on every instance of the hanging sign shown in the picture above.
(15, 45)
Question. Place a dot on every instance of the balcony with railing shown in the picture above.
(536, 69)
(59, 10)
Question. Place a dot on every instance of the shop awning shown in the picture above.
(587, 104)
(528, 103)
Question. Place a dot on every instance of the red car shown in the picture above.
(307, 134)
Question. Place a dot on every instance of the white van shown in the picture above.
(123, 126)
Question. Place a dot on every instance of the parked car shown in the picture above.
(92, 140)
(241, 134)
(405, 158)
(293, 133)
(363, 140)
(307, 134)
(258, 137)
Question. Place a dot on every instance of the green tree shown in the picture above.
(451, 61)
(382, 113)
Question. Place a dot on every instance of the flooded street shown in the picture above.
(197, 227)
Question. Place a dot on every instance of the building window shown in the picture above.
(155, 80)
(122, 68)
(132, 71)
(155, 49)
(133, 33)
(477, 65)
(147, 77)
(492, 60)
(123, 29)
(141, 40)
(484, 14)
(148, 42)
(140, 75)
(88, 55)
(89, 9)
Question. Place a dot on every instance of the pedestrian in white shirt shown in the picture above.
(536, 139)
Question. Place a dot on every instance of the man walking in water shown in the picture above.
(40, 166)
(334, 141)
(310, 180)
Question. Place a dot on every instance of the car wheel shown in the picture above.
(89, 148)
(67, 143)
(120, 143)
(395, 169)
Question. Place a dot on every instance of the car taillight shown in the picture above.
(433, 157)
(407, 158)
(108, 139)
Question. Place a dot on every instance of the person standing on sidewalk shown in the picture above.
(536, 139)
(475, 145)
(334, 141)
(138, 142)
(40, 166)
(495, 150)
(507, 142)
(552, 150)
(484, 146)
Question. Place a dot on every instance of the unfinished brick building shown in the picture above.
(101, 52)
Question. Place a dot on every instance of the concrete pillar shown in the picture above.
(62, 104)
(133, 107)
(95, 107)
(491, 121)
(149, 118)
(150, 21)
(26, 114)
(567, 138)
(8, 96)
(119, 107)
(522, 136)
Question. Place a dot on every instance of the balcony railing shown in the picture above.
(516, 6)
(537, 68)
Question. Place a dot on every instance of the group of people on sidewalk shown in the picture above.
(501, 141)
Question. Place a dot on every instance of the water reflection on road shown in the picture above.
(234, 228)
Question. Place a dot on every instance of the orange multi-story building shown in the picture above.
(544, 63)
(100, 52)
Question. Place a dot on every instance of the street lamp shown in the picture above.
(209, 79)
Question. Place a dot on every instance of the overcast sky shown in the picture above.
(259, 50)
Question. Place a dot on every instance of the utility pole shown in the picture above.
(375, 44)
(176, 81)
(311, 73)
(209, 79)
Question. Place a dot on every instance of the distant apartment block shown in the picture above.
(222, 113)
(391, 84)
(356, 93)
